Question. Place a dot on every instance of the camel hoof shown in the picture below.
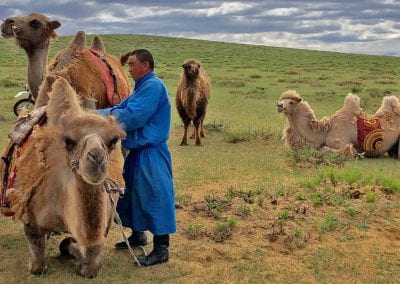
(64, 246)
(88, 272)
(184, 144)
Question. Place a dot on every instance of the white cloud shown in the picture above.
(281, 12)
(352, 26)
(225, 8)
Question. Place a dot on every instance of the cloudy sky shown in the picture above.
(370, 27)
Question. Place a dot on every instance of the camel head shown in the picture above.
(191, 68)
(88, 138)
(288, 102)
(32, 32)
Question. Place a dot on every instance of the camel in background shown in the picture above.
(348, 130)
(192, 96)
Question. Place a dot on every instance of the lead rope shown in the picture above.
(111, 190)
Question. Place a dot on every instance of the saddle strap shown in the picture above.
(115, 98)
(7, 161)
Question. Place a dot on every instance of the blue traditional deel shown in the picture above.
(146, 117)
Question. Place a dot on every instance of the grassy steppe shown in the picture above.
(250, 210)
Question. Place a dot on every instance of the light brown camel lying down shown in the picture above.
(59, 186)
(348, 130)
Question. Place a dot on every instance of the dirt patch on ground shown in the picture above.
(237, 226)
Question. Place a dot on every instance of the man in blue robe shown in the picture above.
(148, 203)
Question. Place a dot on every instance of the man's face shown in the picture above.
(136, 68)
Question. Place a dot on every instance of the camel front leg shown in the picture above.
(348, 150)
(202, 129)
(184, 138)
(90, 266)
(197, 132)
(37, 243)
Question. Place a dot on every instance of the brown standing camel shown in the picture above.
(95, 75)
(192, 96)
(61, 177)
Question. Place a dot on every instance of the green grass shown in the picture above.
(244, 152)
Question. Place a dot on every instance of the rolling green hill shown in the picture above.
(249, 210)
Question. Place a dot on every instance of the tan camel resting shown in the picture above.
(61, 174)
(348, 130)
(92, 72)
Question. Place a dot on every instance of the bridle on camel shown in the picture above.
(111, 186)
(78, 154)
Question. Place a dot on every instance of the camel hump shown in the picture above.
(352, 102)
(66, 56)
(97, 44)
(79, 40)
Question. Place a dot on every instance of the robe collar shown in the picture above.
(144, 79)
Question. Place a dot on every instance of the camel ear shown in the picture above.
(111, 119)
(124, 58)
(54, 25)
(97, 44)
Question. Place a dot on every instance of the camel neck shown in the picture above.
(91, 210)
(37, 63)
(302, 127)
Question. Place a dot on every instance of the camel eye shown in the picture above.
(291, 103)
(35, 24)
(111, 144)
(70, 144)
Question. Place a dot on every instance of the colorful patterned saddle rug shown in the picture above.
(369, 133)
(17, 137)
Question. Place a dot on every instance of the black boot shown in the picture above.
(160, 251)
(135, 240)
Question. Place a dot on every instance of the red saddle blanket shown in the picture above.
(17, 136)
(109, 78)
(369, 133)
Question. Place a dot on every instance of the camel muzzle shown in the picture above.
(279, 107)
(97, 157)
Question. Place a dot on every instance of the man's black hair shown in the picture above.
(141, 54)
